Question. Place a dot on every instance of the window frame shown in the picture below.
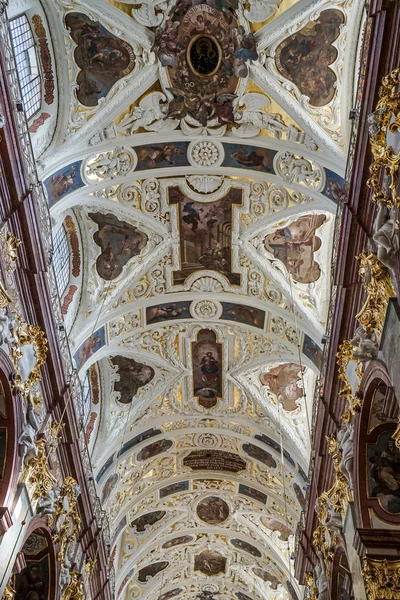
(31, 85)
(62, 262)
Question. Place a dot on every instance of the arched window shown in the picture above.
(61, 260)
(27, 64)
(87, 396)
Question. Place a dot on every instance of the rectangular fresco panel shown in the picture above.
(63, 182)
(168, 312)
(249, 157)
(239, 313)
(89, 347)
(205, 234)
(154, 156)
(312, 351)
(334, 186)
(252, 493)
(181, 486)
(207, 365)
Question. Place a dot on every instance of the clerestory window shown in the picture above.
(27, 65)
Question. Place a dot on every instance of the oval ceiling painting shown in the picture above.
(212, 510)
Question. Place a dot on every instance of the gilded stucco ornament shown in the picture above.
(40, 479)
(28, 354)
(382, 578)
(67, 519)
(75, 589)
(9, 592)
(383, 122)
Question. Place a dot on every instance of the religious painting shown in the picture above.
(174, 488)
(312, 351)
(261, 455)
(89, 347)
(63, 182)
(205, 234)
(248, 315)
(302, 473)
(204, 50)
(170, 594)
(212, 510)
(252, 493)
(102, 57)
(138, 439)
(109, 487)
(145, 521)
(299, 495)
(119, 242)
(90, 426)
(168, 312)
(383, 409)
(295, 245)
(284, 381)
(275, 525)
(246, 547)
(3, 450)
(335, 188)
(249, 157)
(151, 570)
(154, 449)
(266, 576)
(305, 57)
(383, 467)
(210, 562)
(183, 539)
(214, 460)
(34, 580)
(132, 376)
(265, 439)
(153, 156)
(207, 365)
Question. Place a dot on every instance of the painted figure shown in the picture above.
(295, 245)
(385, 473)
(133, 375)
(304, 57)
(102, 57)
(30, 584)
(284, 381)
(119, 242)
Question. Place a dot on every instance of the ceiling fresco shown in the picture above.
(197, 166)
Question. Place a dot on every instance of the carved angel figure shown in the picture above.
(7, 324)
(321, 578)
(27, 438)
(386, 236)
(345, 437)
(365, 345)
(46, 503)
(111, 164)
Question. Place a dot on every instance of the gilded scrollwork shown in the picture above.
(385, 119)
(28, 354)
(382, 578)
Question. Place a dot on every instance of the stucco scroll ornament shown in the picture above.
(297, 169)
(108, 165)
(28, 355)
(312, 590)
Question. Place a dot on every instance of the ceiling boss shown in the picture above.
(205, 53)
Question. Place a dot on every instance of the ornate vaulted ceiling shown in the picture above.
(197, 164)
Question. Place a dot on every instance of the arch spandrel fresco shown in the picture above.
(204, 181)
